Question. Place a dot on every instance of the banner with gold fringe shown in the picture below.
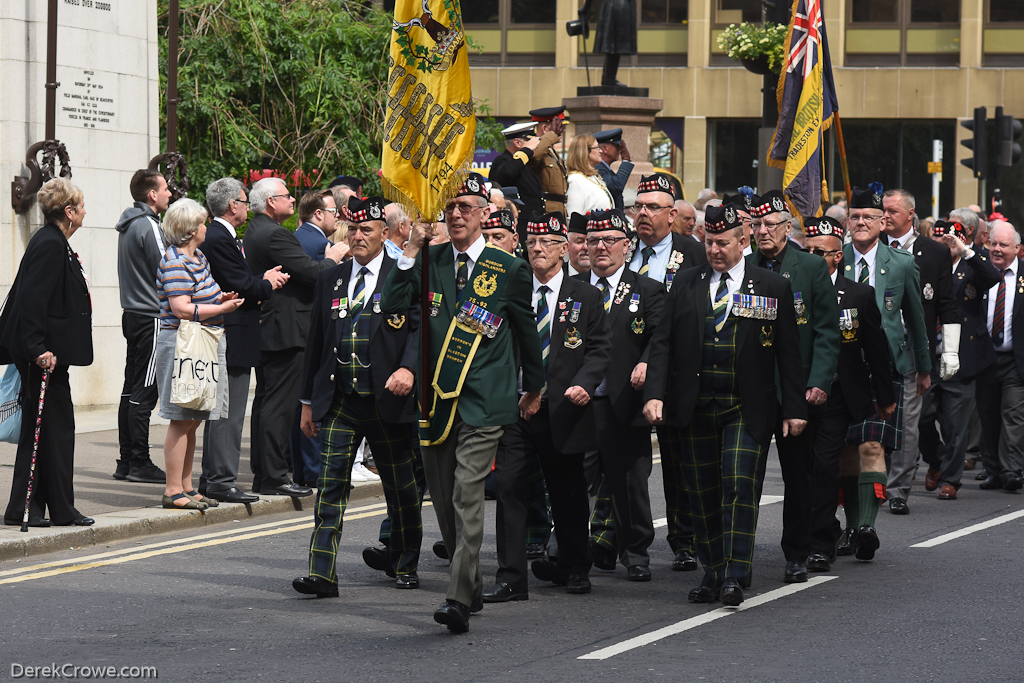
(430, 120)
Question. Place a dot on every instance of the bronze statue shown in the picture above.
(616, 34)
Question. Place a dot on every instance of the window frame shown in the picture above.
(504, 24)
(648, 59)
(903, 25)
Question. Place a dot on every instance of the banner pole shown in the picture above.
(842, 157)
(425, 379)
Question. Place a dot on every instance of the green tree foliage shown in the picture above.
(293, 85)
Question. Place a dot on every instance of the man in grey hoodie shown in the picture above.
(140, 246)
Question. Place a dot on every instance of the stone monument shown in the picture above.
(107, 116)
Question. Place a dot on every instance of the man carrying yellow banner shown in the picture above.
(479, 298)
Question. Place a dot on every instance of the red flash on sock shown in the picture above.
(879, 490)
(841, 498)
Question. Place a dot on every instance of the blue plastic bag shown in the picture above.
(10, 405)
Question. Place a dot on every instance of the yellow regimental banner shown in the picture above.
(430, 120)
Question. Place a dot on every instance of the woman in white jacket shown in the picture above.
(587, 191)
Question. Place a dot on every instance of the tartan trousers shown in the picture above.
(721, 463)
(677, 500)
(351, 419)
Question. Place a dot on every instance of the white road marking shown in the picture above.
(765, 500)
(939, 540)
(694, 622)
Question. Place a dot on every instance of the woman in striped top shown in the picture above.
(187, 291)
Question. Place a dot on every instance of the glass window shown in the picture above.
(1006, 11)
(481, 12)
(935, 11)
(875, 11)
(664, 11)
(734, 155)
(532, 11)
(735, 11)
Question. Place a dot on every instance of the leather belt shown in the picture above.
(552, 197)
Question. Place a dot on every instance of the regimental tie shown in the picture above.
(647, 253)
(865, 275)
(359, 294)
(606, 291)
(544, 330)
(721, 305)
(999, 314)
(462, 275)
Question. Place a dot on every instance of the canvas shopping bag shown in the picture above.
(195, 371)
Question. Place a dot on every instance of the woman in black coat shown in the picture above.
(47, 325)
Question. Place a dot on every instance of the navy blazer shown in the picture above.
(393, 344)
(615, 182)
(1016, 317)
(312, 240)
(232, 274)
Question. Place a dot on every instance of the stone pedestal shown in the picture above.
(635, 115)
(107, 115)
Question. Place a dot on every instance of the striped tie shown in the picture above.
(647, 252)
(606, 290)
(721, 302)
(462, 274)
(1000, 313)
(544, 329)
(359, 293)
(865, 275)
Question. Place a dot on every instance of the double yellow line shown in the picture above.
(42, 571)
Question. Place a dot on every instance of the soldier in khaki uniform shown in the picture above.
(546, 163)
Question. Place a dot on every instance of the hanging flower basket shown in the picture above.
(759, 47)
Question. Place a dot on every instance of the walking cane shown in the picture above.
(35, 449)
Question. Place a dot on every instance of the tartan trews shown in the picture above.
(720, 463)
(351, 419)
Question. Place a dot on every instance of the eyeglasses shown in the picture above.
(609, 242)
(463, 209)
(242, 201)
(864, 217)
(821, 252)
(275, 196)
(327, 210)
(757, 225)
(595, 147)
(651, 209)
(541, 242)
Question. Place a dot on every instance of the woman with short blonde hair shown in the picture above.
(587, 191)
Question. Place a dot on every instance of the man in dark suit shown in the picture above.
(633, 304)
(480, 300)
(512, 168)
(862, 375)
(935, 267)
(284, 325)
(578, 260)
(661, 256)
(950, 401)
(817, 322)
(613, 147)
(1000, 390)
(222, 439)
(357, 383)
(575, 349)
(728, 329)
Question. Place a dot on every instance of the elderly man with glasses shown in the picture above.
(817, 322)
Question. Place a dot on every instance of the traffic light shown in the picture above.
(978, 145)
(1008, 129)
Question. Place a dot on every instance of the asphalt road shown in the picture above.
(216, 604)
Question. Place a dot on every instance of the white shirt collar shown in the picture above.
(735, 273)
(554, 284)
(373, 266)
(316, 227)
(613, 279)
(474, 250)
(230, 229)
(869, 256)
(835, 273)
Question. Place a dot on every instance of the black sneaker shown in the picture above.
(147, 474)
(121, 473)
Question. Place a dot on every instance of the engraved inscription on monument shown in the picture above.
(88, 99)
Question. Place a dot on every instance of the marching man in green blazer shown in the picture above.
(480, 297)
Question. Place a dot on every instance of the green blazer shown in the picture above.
(896, 276)
(490, 396)
(819, 335)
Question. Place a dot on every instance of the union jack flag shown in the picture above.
(807, 101)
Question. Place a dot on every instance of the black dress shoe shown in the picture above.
(982, 475)
(898, 506)
(732, 594)
(818, 563)
(407, 581)
(577, 584)
(684, 561)
(503, 592)
(993, 481)
(534, 551)
(454, 615)
(867, 543)
(703, 594)
(796, 572)
(288, 489)
(80, 520)
(1012, 482)
(845, 545)
(639, 572)
(379, 559)
(477, 606)
(601, 558)
(440, 550)
(230, 495)
(546, 570)
(312, 585)
(32, 521)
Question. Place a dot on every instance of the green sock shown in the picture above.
(851, 501)
(868, 487)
